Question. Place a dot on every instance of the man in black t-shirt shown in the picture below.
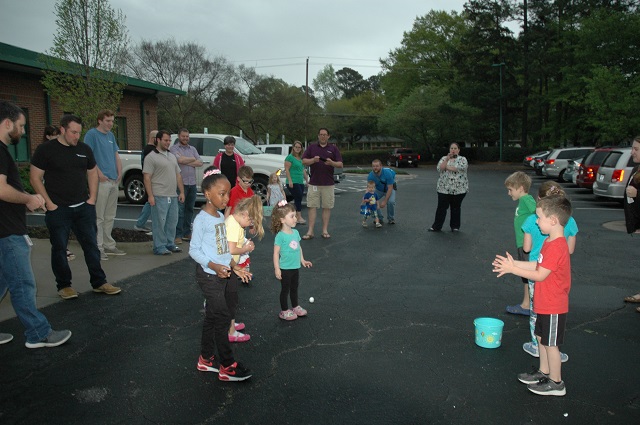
(16, 274)
(70, 187)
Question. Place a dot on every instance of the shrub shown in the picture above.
(24, 176)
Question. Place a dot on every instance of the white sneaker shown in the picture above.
(114, 251)
(4, 338)
(141, 229)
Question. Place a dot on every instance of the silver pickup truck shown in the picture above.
(208, 146)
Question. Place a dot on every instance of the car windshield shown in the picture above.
(246, 148)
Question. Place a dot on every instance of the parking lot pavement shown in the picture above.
(389, 339)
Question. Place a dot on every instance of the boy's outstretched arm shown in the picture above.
(527, 269)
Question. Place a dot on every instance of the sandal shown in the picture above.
(307, 237)
(70, 256)
(517, 309)
(326, 235)
(633, 298)
(302, 222)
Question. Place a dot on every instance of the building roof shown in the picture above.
(28, 61)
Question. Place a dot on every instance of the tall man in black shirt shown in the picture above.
(16, 275)
(70, 187)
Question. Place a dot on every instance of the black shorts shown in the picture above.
(521, 256)
(550, 328)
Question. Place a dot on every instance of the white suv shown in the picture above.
(558, 160)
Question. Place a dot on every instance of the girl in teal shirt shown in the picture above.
(287, 258)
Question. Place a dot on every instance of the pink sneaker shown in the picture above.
(239, 337)
(239, 326)
(288, 315)
(299, 311)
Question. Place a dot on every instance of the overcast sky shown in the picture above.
(274, 36)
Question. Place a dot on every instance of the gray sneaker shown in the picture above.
(141, 229)
(532, 377)
(114, 251)
(4, 338)
(103, 256)
(547, 387)
(54, 339)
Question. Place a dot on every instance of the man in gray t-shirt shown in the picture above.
(161, 178)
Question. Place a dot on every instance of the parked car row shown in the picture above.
(605, 170)
(556, 163)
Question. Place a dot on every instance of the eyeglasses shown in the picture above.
(247, 181)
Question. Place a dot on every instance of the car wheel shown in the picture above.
(415, 165)
(134, 190)
(259, 187)
(561, 176)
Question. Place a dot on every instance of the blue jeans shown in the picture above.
(82, 220)
(164, 217)
(185, 211)
(144, 215)
(391, 205)
(16, 276)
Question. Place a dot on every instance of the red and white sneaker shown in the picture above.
(299, 311)
(234, 372)
(238, 326)
(287, 315)
(208, 365)
(239, 337)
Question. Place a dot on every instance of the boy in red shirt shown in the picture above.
(552, 275)
(241, 190)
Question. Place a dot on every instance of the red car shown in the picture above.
(589, 168)
(403, 156)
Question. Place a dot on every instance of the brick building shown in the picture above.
(20, 74)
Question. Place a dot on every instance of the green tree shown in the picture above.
(425, 56)
(349, 119)
(258, 105)
(325, 85)
(488, 41)
(84, 67)
(569, 41)
(428, 118)
(351, 82)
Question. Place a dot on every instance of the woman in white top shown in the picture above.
(452, 187)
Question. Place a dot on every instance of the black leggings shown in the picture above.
(217, 319)
(445, 202)
(289, 287)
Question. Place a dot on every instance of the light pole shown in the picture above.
(500, 65)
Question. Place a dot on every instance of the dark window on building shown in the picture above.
(120, 131)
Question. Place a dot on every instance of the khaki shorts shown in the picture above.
(316, 194)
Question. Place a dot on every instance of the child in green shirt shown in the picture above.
(518, 185)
